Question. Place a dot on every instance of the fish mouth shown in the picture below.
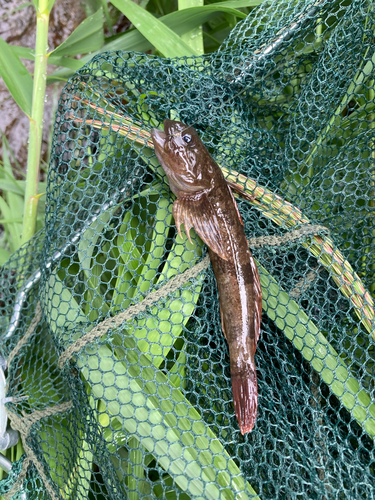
(173, 127)
(168, 126)
(159, 137)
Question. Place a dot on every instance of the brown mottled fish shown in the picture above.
(206, 203)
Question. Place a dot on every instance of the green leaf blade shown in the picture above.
(315, 348)
(168, 443)
(156, 32)
(87, 37)
(180, 22)
(16, 77)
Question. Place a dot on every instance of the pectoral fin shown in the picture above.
(197, 212)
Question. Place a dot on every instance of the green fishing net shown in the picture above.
(110, 321)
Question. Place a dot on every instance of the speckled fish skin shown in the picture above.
(205, 202)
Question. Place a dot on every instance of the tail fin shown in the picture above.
(245, 398)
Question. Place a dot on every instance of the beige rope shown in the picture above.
(173, 284)
(306, 230)
(23, 425)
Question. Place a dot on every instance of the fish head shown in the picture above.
(184, 157)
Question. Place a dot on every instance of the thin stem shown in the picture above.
(371, 118)
(36, 121)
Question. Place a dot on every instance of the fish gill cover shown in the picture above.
(111, 322)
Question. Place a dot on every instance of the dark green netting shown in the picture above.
(32, 487)
(132, 402)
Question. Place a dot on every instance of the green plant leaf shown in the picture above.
(194, 37)
(180, 22)
(16, 77)
(12, 208)
(50, 5)
(316, 349)
(10, 185)
(87, 37)
(107, 16)
(4, 256)
(238, 4)
(156, 32)
(10, 221)
(140, 407)
(91, 6)
(23, 52)
(64, 61)
(18, 187)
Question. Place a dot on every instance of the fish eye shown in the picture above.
(186, 138)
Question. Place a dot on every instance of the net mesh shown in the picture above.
(118, 343)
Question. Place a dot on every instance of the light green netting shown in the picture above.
(124, 360)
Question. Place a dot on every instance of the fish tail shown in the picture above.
(245, 397)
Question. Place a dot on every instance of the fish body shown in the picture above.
(206, 203)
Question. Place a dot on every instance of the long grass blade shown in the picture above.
(315, 348)
(87, 37)
(166, 41)
(16, 77)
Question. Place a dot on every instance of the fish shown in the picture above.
(205, 202)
